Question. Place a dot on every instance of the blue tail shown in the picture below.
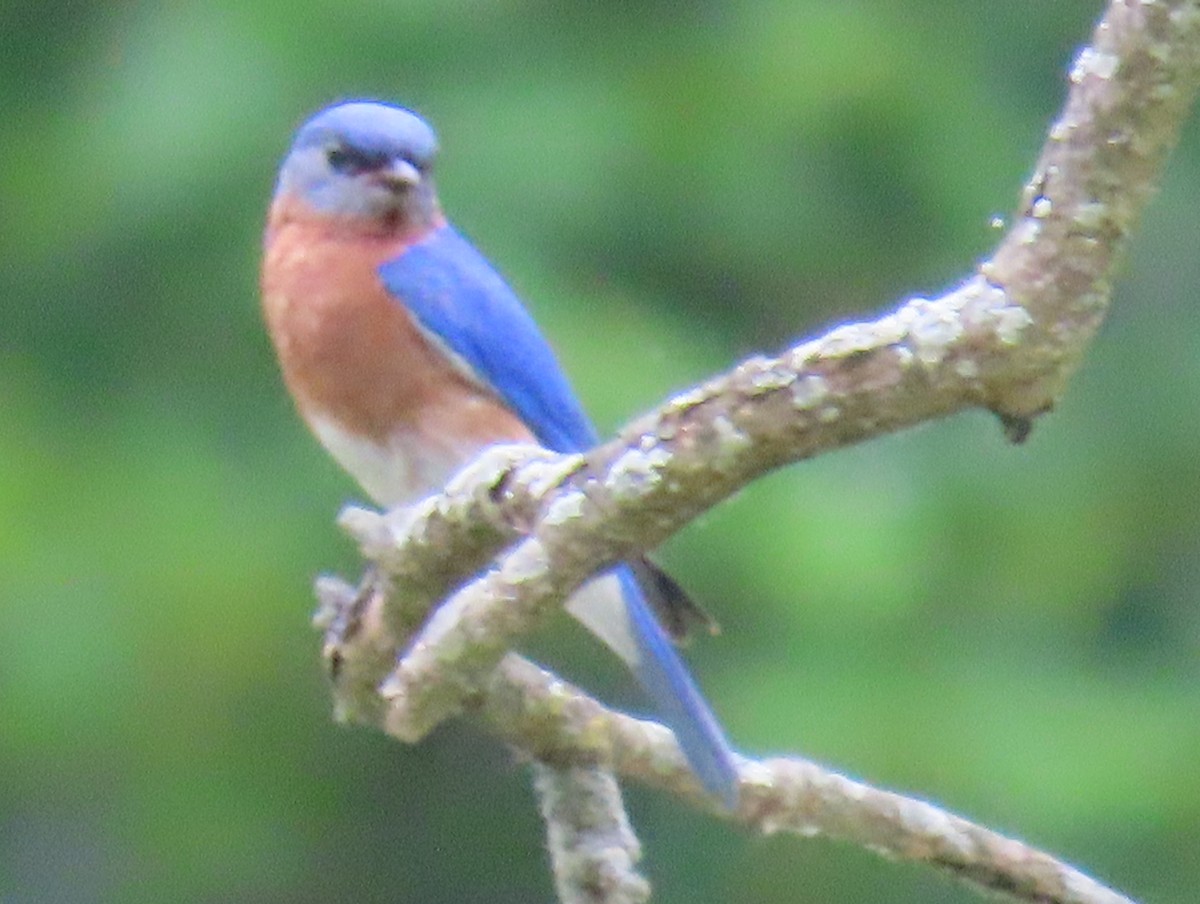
(626, 624)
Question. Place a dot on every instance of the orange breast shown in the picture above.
(351, 353)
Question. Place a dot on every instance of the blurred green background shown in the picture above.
(1012, 632)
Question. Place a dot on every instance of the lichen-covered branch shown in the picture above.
(1006, 339)
(1131, 89)
(419, 555)
(593, 850)
(788, 794)
(575, 740)
(805, 799)
(980, 344)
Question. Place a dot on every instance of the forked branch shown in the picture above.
(1006, 339)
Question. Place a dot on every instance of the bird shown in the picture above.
(407, 354)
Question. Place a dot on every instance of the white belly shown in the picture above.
(399, 471)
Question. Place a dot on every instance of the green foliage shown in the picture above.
(1012, 632)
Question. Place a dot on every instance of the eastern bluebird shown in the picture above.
(407, 354)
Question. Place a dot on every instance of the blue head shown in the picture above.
(364, 160)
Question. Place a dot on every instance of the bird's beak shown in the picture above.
(399, 175)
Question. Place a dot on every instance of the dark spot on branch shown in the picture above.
(1016, 427)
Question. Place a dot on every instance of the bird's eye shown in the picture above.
(351, 162)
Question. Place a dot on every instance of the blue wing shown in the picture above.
(666, 679)
(466, 306)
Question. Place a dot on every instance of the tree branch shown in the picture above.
(592, 846)
(1006, 339)
(572, 734)
(788, 795)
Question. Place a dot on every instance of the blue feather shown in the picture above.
(666, 679)
(458, 298)
(467, 309)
